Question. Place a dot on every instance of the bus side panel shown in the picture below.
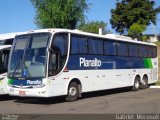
(154, 70)
(3, 84)
(114, 72)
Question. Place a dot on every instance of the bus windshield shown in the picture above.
(28, 57)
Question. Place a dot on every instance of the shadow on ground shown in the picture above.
(7, 98)
(57, 100)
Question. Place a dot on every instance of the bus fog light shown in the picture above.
(43, 92)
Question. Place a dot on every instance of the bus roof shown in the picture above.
(4, 46)
(9, 35)
(108, 36)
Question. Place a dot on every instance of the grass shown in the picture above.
(158, 83)
(157, 43)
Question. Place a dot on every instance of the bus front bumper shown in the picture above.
(34, 92)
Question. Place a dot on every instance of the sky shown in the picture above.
(18, 15)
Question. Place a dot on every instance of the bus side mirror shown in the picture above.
(50, 50)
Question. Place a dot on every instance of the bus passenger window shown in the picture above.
(142, 51)
(154, 54)
(78, 44)
(109, 48)
(122, 49)
(149, 51)
(95, 46)
(9, 41)
(133, 50)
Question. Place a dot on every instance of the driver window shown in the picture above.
(58, 53)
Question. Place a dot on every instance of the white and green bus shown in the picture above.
(61, 62)
(6, 41)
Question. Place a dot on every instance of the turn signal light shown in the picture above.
(65, 70)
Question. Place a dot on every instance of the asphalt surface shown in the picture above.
(105, 102)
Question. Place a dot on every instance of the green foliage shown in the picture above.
(93, 27)
(158, 83)
(145, 38)
(129, 12)
(157, 43)
(59, 13)
(136, 30)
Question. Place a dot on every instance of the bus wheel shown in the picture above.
(73, 92)
(144, 83)
(136, 85)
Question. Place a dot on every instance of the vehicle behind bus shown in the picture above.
(4, 57)
(6, 41)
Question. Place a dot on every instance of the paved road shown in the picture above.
(105, 102)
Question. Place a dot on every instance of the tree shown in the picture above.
(59, 13)
(93, 27)
(136, 30)
(129, 12)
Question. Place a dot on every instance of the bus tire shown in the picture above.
(144, 83)
(73, 92)
(136, 85)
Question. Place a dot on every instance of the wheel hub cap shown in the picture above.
(72, 91)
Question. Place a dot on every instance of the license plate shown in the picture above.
(22, 92)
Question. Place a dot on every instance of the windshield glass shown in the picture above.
(28, 57)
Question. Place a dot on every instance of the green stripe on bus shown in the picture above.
(10, 81)
(148, 63)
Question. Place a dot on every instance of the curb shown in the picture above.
(154, 87)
